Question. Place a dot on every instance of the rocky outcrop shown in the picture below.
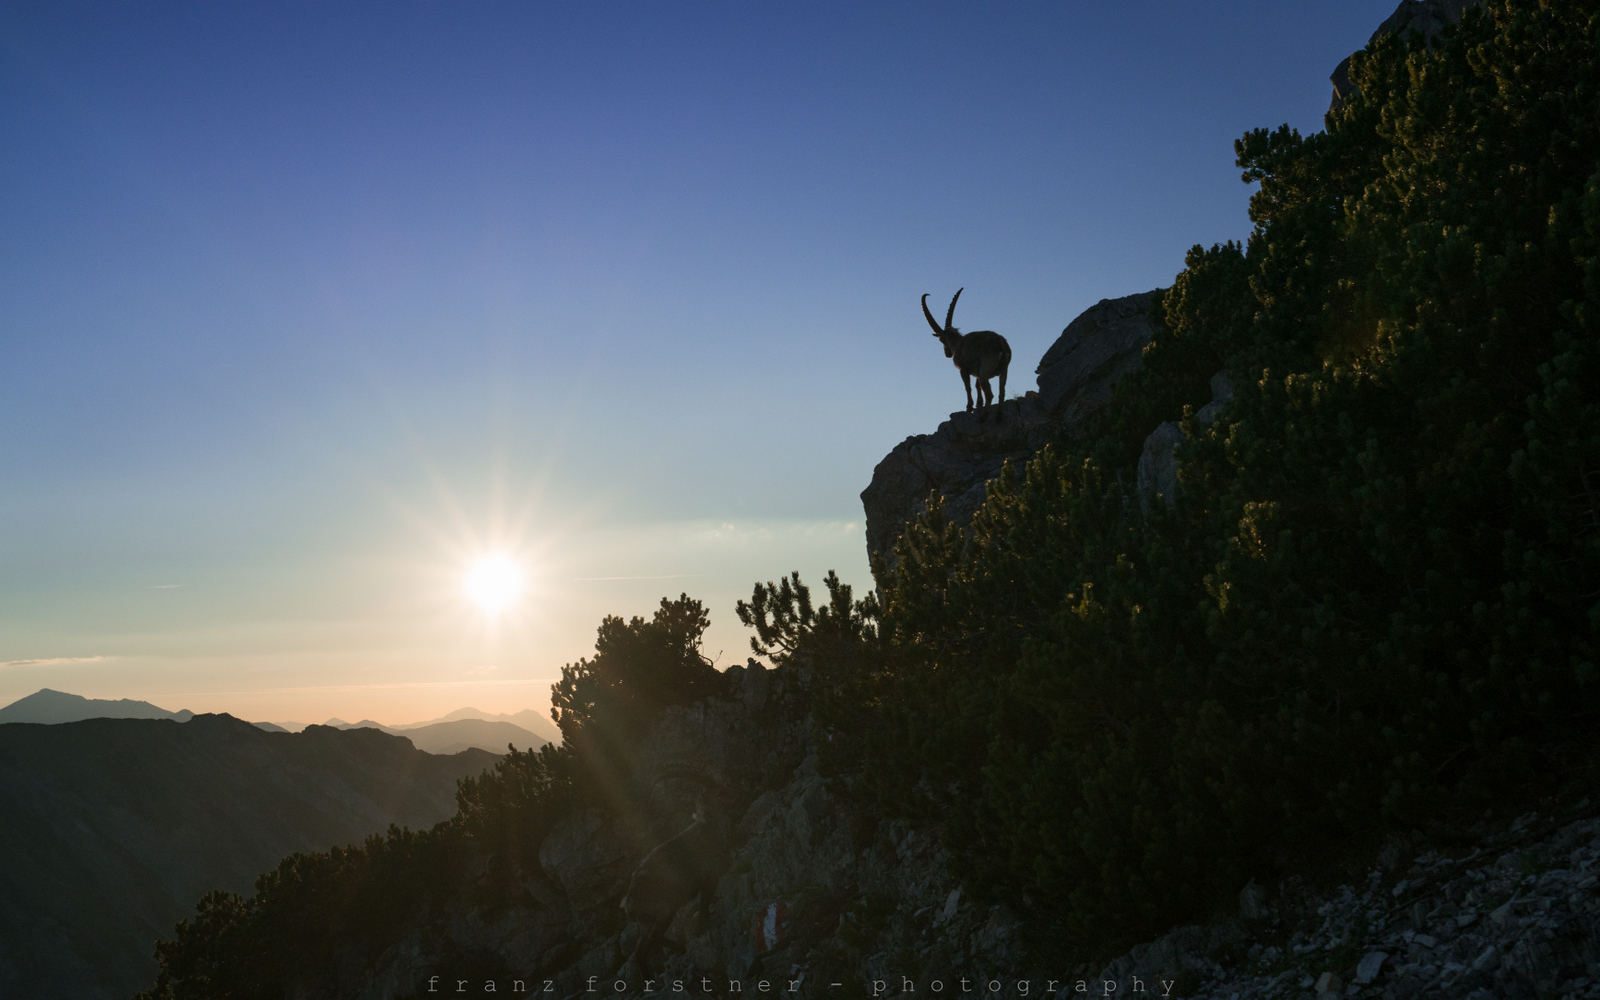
(1425, 17)
(1158, 464)
(1075, 379)
(1100, 346)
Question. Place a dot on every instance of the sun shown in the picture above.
(494, 583)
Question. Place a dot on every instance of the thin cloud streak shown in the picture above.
(54, 661)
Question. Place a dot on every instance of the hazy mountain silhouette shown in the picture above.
(114, 827)
(534, 722)
(440, 737)
(51, 707)
(338, 723)
(457, 734)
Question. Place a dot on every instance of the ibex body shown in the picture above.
(673, 873)
(980, 355)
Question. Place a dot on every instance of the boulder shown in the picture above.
(1100, 346)
(1158, 465)
(1425, 17)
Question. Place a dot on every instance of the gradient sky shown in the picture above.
(305, 306)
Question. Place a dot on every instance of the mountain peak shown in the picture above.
(49, 707)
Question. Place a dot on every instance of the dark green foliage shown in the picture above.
(1375, 604)
(837, 648)
(639, 667)
(508, 811)
(308, 912)
(783, 618)
(603, 705)
(317, 913)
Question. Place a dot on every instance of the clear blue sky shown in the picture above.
(305, 305)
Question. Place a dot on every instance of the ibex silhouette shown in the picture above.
(981, 354)
(674, 872)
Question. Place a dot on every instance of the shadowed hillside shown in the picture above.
(114, 826)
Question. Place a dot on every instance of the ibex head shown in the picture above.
(944, 333)
(979, 355)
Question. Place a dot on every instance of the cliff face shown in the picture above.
(112, 828)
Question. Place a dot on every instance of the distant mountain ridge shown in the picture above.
(456, 735)
(534, 722)
(492, 736)
(113, 827)
(528, 727)
(54, 707)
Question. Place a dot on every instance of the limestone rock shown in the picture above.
(1191, 950)
(958, 459)
(1426, 17)
(1252, 901)
(1100, 346)
(955, 461)
(1158, 466)
(585, 857)
(1367, 969)
(1419, 934)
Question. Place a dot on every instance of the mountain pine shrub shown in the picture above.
(1375, 604)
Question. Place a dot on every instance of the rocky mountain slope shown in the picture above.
(738, 866)
(1513, 912)
(803, 894)
(812, 903)
(111, 828)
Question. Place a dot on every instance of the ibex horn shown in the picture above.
(925, 312)
(952, 313)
